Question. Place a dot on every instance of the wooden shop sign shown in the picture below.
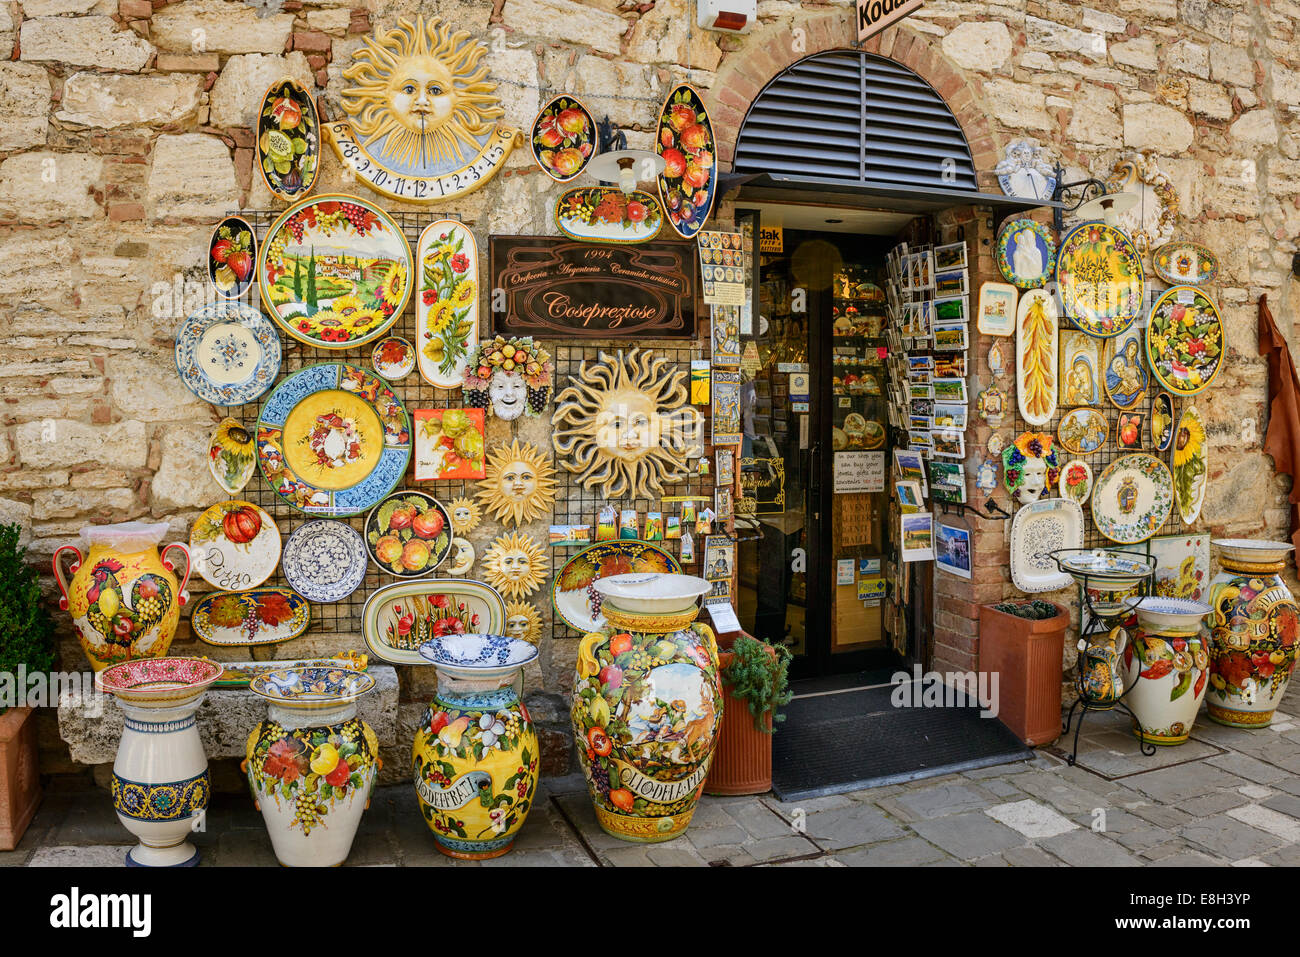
(875, 15)
(547, 285)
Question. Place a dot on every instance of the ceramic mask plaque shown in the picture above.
(235, 545)
(227, 353)
(465, 515)
(689, 180)
(1101, 279)
(1151, 221)
(446, 305)
(288, 140)
(564, 138)
(461, 559)
(1184, 340)
(1036, 356)
(523, 622)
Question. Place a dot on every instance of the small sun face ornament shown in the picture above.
(520, 483)
(465, 515)
(512, 377)
(515, 565)
(523, 621)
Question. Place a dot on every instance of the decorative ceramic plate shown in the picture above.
(400, 617)
(1026, 253)
(288, 139)
(232, 457)
(393, 358)
(232, 254)
(307, 687)
(605, 214)
(1162, 421)
(1252, 550)
(564, 138)
(1115, 567)
(1185, 263)
(653, 593)
(1132, 498)
(227, 353)
(1075, 482)
(689, 180)
(333, 439)
(335, 271)
(1037, 326)
(1079, 382)
(238, 674)
(408, 534)
(1038, 529)
(446, 304)
(263, 616)
(574, 598)
(235, 545)
(1124, 374)
(1083, 431)
(1185, 340)
(1101, 279)
(324, 561)
(1173, 613)
(997, 309)
(1188, 464)
(478, 656)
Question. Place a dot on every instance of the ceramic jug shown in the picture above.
(1101, 679)
(1166, 668)
(124, 598)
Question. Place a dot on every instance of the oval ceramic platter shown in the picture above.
(393, 358)
(1124, 375)
(235, 545)
(1026, 253)
(333, 440)
(324, 561)
(334, 271)
(446, 304)
(1101, 279)
(604, 214)
(1185, 263)
(1075, 482)
(1189, 465)
(262, 616)
(237, 674)
(574, 598)
(1038, 529)
(1036, 356)
(408, 534)
(227, 353)
(685, 141)
(232, 458)
(1132, 498)
(232, 254)
(1083, 431)
(564, 138)
(288, 139)
(400, 617)
(1184, 341)
(1162, 421)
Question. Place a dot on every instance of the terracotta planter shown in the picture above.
(20, 780)
(1026, 655)
(742, 760)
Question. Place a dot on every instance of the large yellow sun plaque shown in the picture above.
(424, 120)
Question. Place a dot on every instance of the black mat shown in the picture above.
(831, 743)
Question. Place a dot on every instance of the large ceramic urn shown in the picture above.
(1167, 667)
(1254, 622)
(312, 764)
(475, 758)
(647, 705)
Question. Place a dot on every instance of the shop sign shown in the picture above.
(548, 286)
(875, 15)
(771, 239)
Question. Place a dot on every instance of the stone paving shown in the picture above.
(1228, 798)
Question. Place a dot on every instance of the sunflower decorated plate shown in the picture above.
(333, 440)
(1132, 498)
(446, 310)
(1185, 340)
(574, 596)
(1188, 463)
(1101, 279)
(335, 271)
(227, 353)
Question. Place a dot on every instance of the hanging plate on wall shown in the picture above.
(324, 561)
(446, 304)
(1187, 460)
(400, 617)
(605, 214)
(574, 598)
(1186, 263)
(261, 616)
(1038, 529)
(1026, 253)
(232, 254)
(1132, 498)
(1101, 279)
(1184, 340)
(564, 138)
(1162, 421)
(288, 139)
(1036, 356)
(689, 180)
(227, 353)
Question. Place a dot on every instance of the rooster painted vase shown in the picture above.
(647, 706)
(124, 598)
(1254, 622)
(160, 782)
(312, 764)
(1167, 668)
(475, 757)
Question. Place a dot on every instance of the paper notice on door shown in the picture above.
(859, 472)
(844, 571)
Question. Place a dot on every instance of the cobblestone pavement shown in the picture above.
(1227, 797)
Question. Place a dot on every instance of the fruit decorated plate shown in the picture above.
(1185, 340)
(400, 617)
(450, 444)
(393, 358)
(235, 545)
(446, 304)
(1101, 279)
(335, 271)
(1132, 498)
(261, 616)
(408, 534)
(333, 439)
(288, 139)
(573, 596)
(232, 254)
(1082, 431)
(1039, 529)
(1187, 462)
(605, 214)
(324, 561)
(689, 180)
(238, 674)
(1185, 263)
(227, 353)
(1026, 253)
(564, 138)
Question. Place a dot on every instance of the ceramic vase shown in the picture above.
(124, 599)
(312, 764)
(1167, 668)
(475, 757)
(1101, 677)
(160, 783)
(647, 705)
(1254, 621)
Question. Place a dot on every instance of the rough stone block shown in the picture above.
(218, 26)
(192, 176)
(94, 99)
(24, 105)
(84, 41)
(575, 22)
(61, 442)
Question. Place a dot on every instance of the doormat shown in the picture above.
(831, 743)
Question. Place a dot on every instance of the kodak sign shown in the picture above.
(875, 15)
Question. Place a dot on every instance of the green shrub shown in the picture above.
(759, 673)
(26, 628)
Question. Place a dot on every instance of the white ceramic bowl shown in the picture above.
(1163, 613)
(1252, 550)
(653, 593)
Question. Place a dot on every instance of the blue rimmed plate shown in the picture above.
(227, 353)
(324, 561)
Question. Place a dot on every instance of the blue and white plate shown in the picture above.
(324, 561)
(228, 353)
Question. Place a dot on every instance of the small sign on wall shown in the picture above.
(875, 15)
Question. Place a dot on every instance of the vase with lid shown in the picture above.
(1166, 668)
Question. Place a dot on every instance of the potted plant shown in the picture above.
(26, 639)
(755, 683)
(1023, 643)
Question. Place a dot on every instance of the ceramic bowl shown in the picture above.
(653, 593)
(311, 687)
(1252, 550)
(159, 682)
(478, 656)
(1117, 569)
(1171, 613)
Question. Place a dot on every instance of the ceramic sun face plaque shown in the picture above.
(1080, 380)
(235, 545)
(446, 304)
(333, 439)
(1026, 253)
(605, 214)
(1184, 263)
(393, 358)
(516, 565)
(1125, 377)
(288, 139)
(564, 138)
(449, 444)
(1083, 431)
(232, 458)
(465, 515)
(689, 180)
(520, 483)
(424, 121)
(260, 616)
(1132, 498)
(997, 309)
(334, 271)
(1162, 421)
(408, 534)
(1184, 340)
(232, 253)
(1101, 279)
(1188, 461)
(1036, 356)
(227, 353)
(523, 622)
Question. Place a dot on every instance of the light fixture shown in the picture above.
(618, 164)
(1107, 207)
